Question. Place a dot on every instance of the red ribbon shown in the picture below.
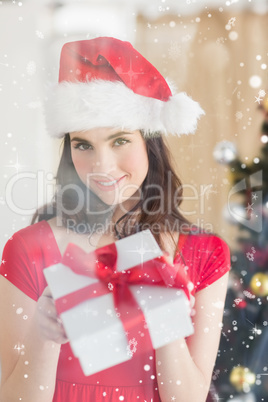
(101, 264)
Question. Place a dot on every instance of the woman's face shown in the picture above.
(112, 163)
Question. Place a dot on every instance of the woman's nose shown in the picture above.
(104, 163)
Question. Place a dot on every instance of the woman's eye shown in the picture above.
(120, 141)
(82, 147)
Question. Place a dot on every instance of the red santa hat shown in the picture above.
(105, 82)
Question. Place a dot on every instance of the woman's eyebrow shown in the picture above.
(118, 135)
(79, 139)
(107, 139)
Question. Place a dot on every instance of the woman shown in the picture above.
(114, 179)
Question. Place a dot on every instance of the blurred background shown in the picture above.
(215, 51)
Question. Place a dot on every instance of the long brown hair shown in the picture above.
(159, 214)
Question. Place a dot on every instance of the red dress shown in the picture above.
(205, 258)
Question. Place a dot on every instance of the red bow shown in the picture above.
(101, 264)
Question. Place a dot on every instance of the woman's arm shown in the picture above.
(184, 367)
(29, 345)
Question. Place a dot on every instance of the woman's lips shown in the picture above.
(108, 185)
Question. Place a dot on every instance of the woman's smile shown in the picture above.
(109, 185)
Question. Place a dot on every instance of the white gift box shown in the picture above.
(94, 325)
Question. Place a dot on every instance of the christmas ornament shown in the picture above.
(264, 137)
(259, 284)
(240, 303)
(242, 378)
(225, 152)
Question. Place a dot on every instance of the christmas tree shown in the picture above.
(241, 370)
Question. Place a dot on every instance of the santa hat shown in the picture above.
(105, 82)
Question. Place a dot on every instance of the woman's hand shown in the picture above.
(30, 336)
(48, 321)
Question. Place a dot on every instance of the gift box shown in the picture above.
(111, 299)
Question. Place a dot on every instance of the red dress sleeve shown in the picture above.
(205, 257)
(17, 266)
(216, 264)
(26, 254)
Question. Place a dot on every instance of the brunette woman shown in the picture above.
(114, 179)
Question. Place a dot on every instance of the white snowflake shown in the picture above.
(174, 50)
(31, 68)
(255, 331)
(216, 374)
(110, 286)
(220, 40)
(258, 99)
(238, 116)
(19, 348)
(261, 93)
(207, 190)
(186, 38)
(232, 21)
(254, 196)
(39, 34)
(249, 207)
(132, 347)
(237, 301)
(250, 256)
(248, 294)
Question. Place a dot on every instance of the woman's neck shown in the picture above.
(123, 209)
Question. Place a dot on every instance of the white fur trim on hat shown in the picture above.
(85, 105)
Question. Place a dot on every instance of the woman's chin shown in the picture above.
(115, 203)
(111, 200)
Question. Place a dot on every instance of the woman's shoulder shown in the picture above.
(206, 256)
(200, 245)
(194, 242)
(27, 252)
(201, 238)
(33, 230)
(32, 246)
(29, 243)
